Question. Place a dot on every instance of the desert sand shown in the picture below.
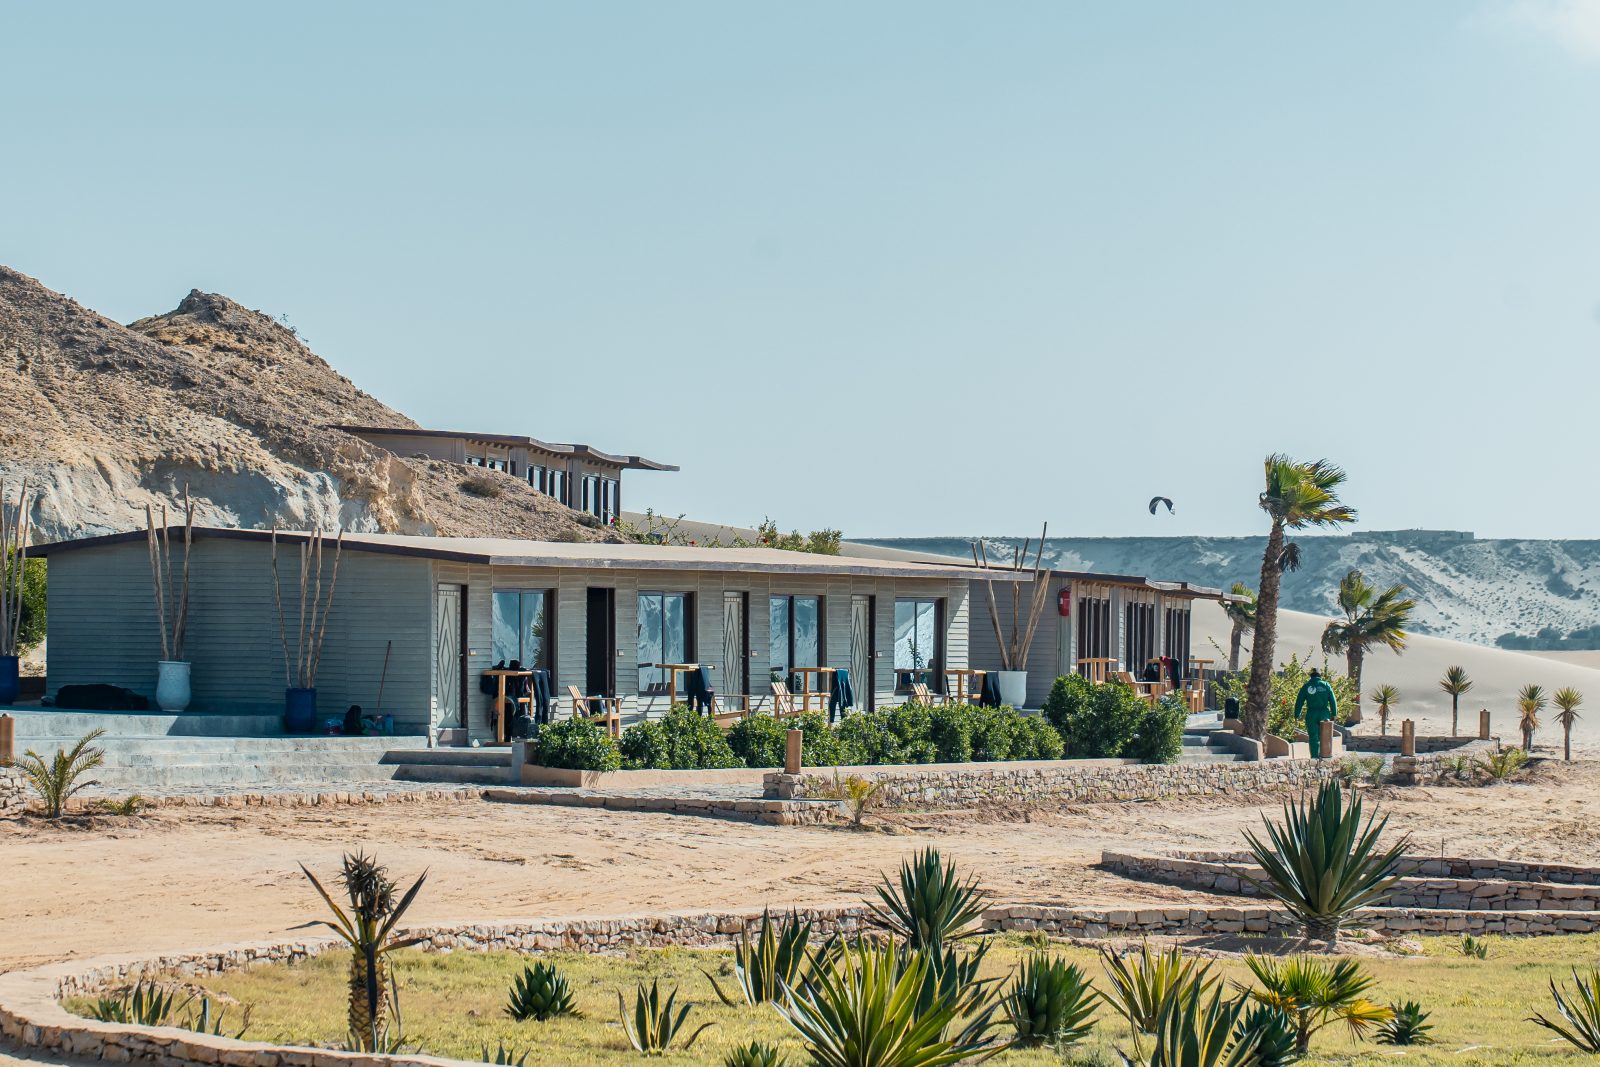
(181, 879)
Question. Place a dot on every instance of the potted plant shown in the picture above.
(1012, 677)
(300, 668)
(14, 529)
(172, 605)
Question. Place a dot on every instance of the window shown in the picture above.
(1094, 627)
(609, 492)
(591, 496)
(794, 637)
(536, 476)
(1178, 637)
(918, 643)
(474, 461)
(556, 482)
(665, 636)
(495, 464)
(521, 628)
(1141, 635)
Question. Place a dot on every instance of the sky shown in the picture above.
(898, 268)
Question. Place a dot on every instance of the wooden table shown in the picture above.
(675, 669)
(1099, 668)
(806, 689)
(967, 682)
(502, 721)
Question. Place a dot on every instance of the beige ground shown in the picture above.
(188, 879)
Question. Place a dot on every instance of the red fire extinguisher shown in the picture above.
(1064, 602)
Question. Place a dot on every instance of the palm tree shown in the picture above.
(1531, 700)
(1296, 495)
(1242, 614)
(1370, 618)
(1456, 683)
(1386, 697)
(1567, 699)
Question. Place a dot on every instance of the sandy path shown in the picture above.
(188, 879)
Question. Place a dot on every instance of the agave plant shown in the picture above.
(1194, 1029)
(1141, 984)
(540, 992)
(867, 1008)
(60, 778)
(755, 1054)
(1323, 863)
(143, 1004)
(1579, 1010)
(774, 962)
(1502, 765)
(656, 1022)
(1407, 1025)
(1272, 1032)
(931, 906)
(1474, 948)
(1315, 992)
(203, 1022)
(1050, 1002)
(504, 1057)
(368, 928)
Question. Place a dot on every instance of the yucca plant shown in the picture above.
(368, 928)
(1474, 948)
(1407, 1025)
(1456, 684)
(504, 1057)
(1050, 1002)
(1386, 697)
(142, 1004)
(1143, 982)
(656, 1022)
(1531, 700)
(866, 1009)
(540, 992)
(1197, 1029)
(1315, 992)
(1502, 765)
(775, 961)
(1579, 1010)
(1568, 700)
(1323, 863)
(59, 779)
(931, 906)
(755, 1054)
(1272, 1032)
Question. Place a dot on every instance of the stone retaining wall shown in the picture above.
(1136, 922)
(1426, 743)
(13, 793)
(1062, 781)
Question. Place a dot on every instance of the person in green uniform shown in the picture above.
(1314, 704)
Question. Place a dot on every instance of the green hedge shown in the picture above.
(683, 740)
(577, 744)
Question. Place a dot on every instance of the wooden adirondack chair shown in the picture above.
(609, 714)
(921, 694)
(783, 702)
(1150, 691)
(727, 710)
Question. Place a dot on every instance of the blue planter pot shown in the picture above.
(10, 679)
(299, 711)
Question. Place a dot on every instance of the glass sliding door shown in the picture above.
(794, 638)
(918, 643)
(664, 637)
(521, 628)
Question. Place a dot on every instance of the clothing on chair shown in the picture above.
(539, 687)
(990, 696)
(841, 697)
(697, 692)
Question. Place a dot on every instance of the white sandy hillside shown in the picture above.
(1496, 673)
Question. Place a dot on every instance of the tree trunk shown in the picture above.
(1258, 694)
(1455, 707)
(1566, 743)
(368, 980)
(1235, 641)
(1352, 667)
(1527, 740)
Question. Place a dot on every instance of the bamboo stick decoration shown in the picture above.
(171, 593)
(315, 603)
(1014, 651)
(15, 530)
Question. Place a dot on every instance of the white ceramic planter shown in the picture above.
(172, 685)
(1013, 686)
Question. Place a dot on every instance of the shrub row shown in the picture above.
(1080, 719)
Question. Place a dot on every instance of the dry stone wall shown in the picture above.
(13, 793)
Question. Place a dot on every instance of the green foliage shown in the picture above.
(1095, 721)
(540, 992)
(1032, 738)
(1366, 770)
(59, 779)
(1503, 765)
(901, 734)
(33, 602)
(578, 744)
(931, 906)
(1158, 737)
(1474, 948)
(1316, 991)
(1407, 1025)
(950, 731)
(655, 1022)
(1142, 984)
(682, 740)
(1272, 1031)
(1579, 1011)
(1370, 617)
(859, 794)
(1286, 684)
(771, 965)
(504, 1057)
(755, 1054)
(1322, 863)
(201, 1021)
(147, 1004)
(1193, 1029)
(877, 1005)
(1050, 1002)
(759, 740)
(821, 542)
(127, 806)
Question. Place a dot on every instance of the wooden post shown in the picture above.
(791, 752)
(1327, 739)
(1408, 738)
(8, 739)
(1483, 725)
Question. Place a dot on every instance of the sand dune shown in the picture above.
(1497, 674)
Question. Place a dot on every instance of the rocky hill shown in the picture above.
(1514, 594)
(105, 418)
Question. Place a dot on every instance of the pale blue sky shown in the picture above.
(901, 268)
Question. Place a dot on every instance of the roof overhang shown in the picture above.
(514, 441)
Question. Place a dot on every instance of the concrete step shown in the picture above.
(233, 776)
(1209, 756)
(462, 774)
(40, 724)
(457, 757)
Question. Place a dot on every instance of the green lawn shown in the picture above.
(454, 1004)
